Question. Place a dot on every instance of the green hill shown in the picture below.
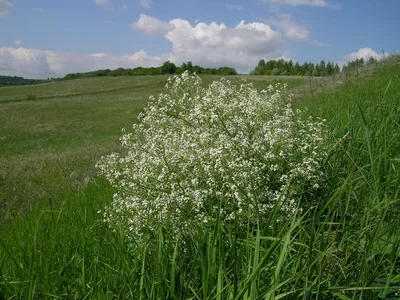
(54, 140)
(54, 243)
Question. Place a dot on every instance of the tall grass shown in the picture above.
(48, 147)
(346, 246)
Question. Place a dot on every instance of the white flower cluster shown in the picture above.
(225, 150)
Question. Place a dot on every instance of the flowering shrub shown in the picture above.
(225, 150)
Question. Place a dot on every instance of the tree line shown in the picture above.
(287, 67)
(15, 80)
(166, 68)
(271, 67)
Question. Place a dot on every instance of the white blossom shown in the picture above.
(198, 152)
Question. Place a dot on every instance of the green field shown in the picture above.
(49, 145)
(54, 245)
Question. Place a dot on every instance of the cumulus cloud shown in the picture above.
(22, 61)
(216, 44)
(150, 25)
(5, 7)
(235, 7)
(209, 45)
(18, 43)
(313, 3)
(365, 53)
(34, 63)
(145, 3)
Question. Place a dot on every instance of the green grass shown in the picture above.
(345, 247)
(48, 146)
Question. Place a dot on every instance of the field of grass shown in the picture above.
(48, 146)
(346, 247)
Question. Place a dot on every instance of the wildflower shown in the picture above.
(198, 153)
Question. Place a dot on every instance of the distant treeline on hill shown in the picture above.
(287, 67)
(14, 80)
(166, 68)
(271, 67)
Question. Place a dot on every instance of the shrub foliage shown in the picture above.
(223, 152)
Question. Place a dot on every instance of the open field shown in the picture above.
(48, 146)
(345, 246)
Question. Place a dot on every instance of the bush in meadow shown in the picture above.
(222, 151)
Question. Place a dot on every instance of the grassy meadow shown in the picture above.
(55, 245)
(48, 146)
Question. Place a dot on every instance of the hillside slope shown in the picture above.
(50, 141)
(346, 245)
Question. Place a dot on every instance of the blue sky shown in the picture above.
(49, 38)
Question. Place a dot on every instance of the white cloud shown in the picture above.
(37, 10)
(5, 7)
(209, 45)
(145, 3)
(150, 25)
(292, 30)
(313, 3)
(33, 63)
(216, 44)
(18, 43)
(98, 55)
(365, 53)
(124, 7)
(235, 7)
(107, 5)
(23, 62)
(101, 2)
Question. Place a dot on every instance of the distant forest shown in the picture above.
(166, 68)
(271, 67)
(14, 80)
(287, 67)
